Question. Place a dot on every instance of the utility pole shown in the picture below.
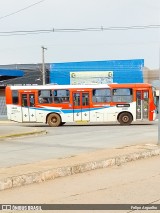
(43, 65)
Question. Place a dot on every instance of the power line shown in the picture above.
(72, 30)
(18, 11)
(23, 34)
(108, 28)
(26, 31)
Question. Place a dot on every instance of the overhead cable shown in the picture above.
(71, 30)
(18, 11)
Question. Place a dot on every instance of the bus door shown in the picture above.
(28, 110)
(142, 104)
(81, 107)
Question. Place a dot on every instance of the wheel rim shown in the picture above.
(125, 119)
(54, 120)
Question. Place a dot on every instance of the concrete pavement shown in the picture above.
(8, 130)
(50, 169)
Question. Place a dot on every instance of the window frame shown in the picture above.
(61, 99)
(44, 99)
(121, 96)
(102, 97)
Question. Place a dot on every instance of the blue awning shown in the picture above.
(9, 72)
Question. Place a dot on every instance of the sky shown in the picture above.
(83, 45)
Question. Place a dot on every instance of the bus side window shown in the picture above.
(122, 95)
(65, 99)
(15, 98)
(101, 95)
(44, 96)
(61, 96)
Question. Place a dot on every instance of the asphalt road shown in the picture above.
(70, 140)
(136, 182)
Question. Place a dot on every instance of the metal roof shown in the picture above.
(9, 72)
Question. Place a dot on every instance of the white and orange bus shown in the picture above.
(58, 104)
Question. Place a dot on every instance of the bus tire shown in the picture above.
(54, 120)
(125, 118)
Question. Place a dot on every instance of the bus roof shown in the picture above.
(91, 86)
(130, 85)
(51, 86)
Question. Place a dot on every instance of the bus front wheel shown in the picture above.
(125, 118)
(54, 120)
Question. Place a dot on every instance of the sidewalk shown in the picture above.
(8, 130)
(50, 169)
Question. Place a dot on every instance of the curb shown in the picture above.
(23, 134)
(41, 176)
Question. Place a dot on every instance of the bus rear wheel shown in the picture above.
(125, 118)
(54, 120)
